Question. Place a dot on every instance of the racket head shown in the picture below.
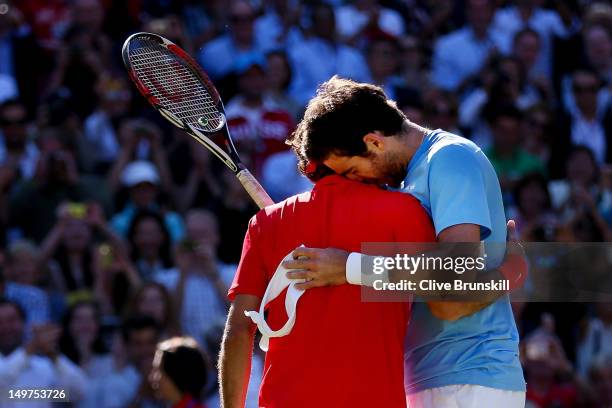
(174, 84)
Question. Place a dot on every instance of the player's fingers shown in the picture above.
(308, 285)
(298, 275)
(302, 251)
(298, 264)
(512, 234)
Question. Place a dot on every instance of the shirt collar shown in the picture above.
(428, 140)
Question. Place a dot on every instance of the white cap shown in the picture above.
(139, 171)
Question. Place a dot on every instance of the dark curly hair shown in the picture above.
(337, 119)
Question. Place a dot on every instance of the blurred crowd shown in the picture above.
(119, 235)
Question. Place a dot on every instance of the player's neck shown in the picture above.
(413, 136)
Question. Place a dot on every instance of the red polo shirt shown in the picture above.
(342, 352)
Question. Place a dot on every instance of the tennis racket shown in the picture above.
(182, 92)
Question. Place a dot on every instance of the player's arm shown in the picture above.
(236, 352)
(246, 293)
(453, 310)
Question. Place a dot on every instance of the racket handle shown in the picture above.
(255, 190)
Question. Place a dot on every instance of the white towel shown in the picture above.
(276, 285)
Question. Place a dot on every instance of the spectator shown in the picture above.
(548, 371)
(150, 244)
(510, 160)
(528, 13)
(413, 68)
(100, 139)
(258, 126)
(203, 227)
(127, 385)
(278, 27)
(69, 249)
(459, 56)
(537, 128)
(47, 19)
(577, 198)
(600, 376)
(413, 108)
(18, 48)
(526, 47)
(81, 340)
(199, 283)
(318, 57)
(83, 57)
(143, 182)
(598, 49)
(233, 213)
(24, 264)
(367, 18)
(35, 363)
(596, 341)
(441, 110)
(16, 148)
(141, 139)
(202, 187)
(588, 117)
(382, 55)
(532, 210)
(34, 203)
(32, 300)
(203, 22)
(580, 177)
(170, 27)
(504, 84)
(179, 373)
(117, 279)
(279, 78)
(219, 56)
(153, 299)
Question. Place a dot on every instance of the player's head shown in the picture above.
(352, 129)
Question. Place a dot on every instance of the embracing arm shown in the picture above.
(325, 267)
(454, 310)
(236, 352)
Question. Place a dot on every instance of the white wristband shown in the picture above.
(353, 268)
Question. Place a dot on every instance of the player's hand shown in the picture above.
(513, 239)
(320, 267)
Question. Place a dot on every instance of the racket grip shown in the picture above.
(255, 190)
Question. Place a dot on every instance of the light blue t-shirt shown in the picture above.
(456, 183)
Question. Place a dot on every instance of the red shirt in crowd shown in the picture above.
(339, 343)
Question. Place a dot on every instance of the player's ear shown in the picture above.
(375, 142)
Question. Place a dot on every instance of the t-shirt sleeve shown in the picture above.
(457, 190)
(251, 277)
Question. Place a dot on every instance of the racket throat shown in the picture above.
(170, 117)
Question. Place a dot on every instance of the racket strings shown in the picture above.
(175, 86)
